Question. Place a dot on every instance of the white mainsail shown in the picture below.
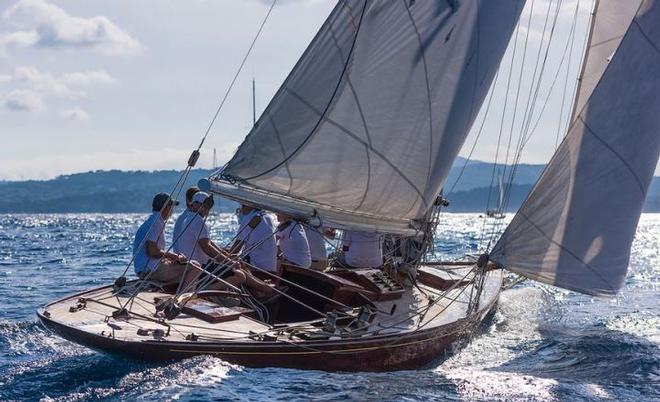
(576, 228)
(366, 127)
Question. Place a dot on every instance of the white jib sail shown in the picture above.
(576, 228)
(367, 125)
(611, 19)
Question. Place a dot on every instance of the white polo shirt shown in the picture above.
(259, 243)
(316, 242)
(178, 228)
(152, 229)
(293, 244)
(365, 250)
(193, 229)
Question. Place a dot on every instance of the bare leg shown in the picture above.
(259, 287)
(236, 279)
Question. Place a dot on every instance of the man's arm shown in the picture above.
(153, 251)
(236, 247)
(212, 250)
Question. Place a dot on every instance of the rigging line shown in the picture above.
(144, 281)
(327, 107)
(523, 138)
(520, 79)
(240, 68)
(476, 140)
(520, 148)
(532, 100)
(536, 67)
(545, 102)
(499, 136)
(526, 131)
(182, 179)
(583, 60)
(568, 72)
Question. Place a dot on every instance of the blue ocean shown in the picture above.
(542, 344)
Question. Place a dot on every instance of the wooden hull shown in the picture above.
(384, 354)
(396, 351)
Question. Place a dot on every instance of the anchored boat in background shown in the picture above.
(361, 136)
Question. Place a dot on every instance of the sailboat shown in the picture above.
(498, 212)
(361, 136)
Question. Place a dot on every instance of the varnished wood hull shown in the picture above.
(384, 353)
(408, 349)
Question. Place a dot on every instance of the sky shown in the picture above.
(124, 84)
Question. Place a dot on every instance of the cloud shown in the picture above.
(44, 25)
(70, 85)
(75, 113)
(23, 100)
(4, 78)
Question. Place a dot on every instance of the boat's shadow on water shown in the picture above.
(595, 357)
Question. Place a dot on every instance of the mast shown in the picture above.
(254, 104)
(584, 61)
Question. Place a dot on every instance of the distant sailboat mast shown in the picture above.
(254, 103)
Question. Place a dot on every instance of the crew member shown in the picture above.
(316, 237)
(197, 245)
(255, 239)
(361, 250)
(292, 242)
(151, 260)
(178, 225)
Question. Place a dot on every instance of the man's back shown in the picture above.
(259, 243)
(365, 250)
(178, 230)
(152, 229)
(193, 229)
(294, 244)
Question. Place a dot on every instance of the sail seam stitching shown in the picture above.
(646, 36)
(279, 140)
(428, 93)
(349, 81)
(322, 118)
(561, 246)
(356, 138)
(608, 146)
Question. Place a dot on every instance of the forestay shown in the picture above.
(576, 228)
(611, 19)
(367, 125)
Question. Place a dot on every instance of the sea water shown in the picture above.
(542, 344)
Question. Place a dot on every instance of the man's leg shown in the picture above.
(259, 287)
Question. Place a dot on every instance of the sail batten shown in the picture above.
(576, 228)
(373, 115)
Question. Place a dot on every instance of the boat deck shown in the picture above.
(418, 308)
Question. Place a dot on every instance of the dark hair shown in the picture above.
(190, 192)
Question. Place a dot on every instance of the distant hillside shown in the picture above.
(117, 191)
(100, 191)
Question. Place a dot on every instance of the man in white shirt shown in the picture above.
(195, 243)
(362, 250)
(292, 242)
(316, 237)
(178, 225)
(151, 260)
(256, 243)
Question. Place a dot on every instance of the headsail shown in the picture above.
(367, 125)
(610, 22)
(576, 228)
